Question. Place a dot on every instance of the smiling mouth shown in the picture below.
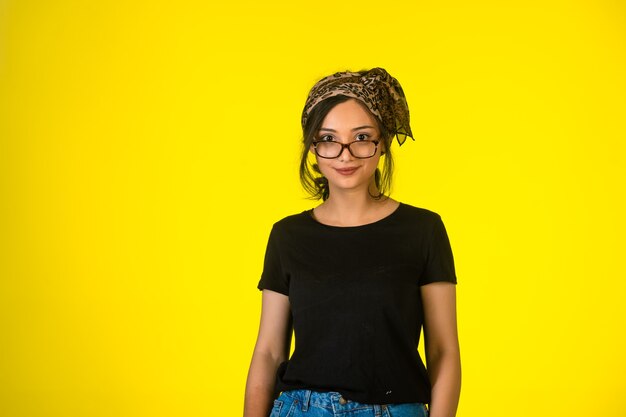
(346, 171)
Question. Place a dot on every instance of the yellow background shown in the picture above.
(147, 147)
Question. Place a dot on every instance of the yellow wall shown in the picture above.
(146, 150)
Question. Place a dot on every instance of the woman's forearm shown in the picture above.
(260, 385)
(445, 375)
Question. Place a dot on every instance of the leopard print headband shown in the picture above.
(378, 90)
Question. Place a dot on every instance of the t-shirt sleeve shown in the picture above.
(439, 260)
(273, 276)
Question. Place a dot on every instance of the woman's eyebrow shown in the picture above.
(356, 128)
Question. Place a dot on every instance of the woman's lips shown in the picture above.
(346, 171)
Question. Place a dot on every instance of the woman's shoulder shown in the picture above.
(291, 220)
(417, 221)
(417, 212)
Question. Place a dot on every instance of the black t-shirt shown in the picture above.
(355, 301)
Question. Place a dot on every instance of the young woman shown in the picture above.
(357, 276)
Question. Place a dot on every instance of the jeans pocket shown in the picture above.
(407, 410)
(278, 405)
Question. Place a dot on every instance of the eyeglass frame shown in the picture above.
(344, 146)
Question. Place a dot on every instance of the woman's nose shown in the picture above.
(345, 154)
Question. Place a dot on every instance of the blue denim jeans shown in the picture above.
(307, 403)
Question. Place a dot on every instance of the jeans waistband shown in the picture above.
(329, 399)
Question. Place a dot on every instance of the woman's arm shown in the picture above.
(272, 348)
(441, 344)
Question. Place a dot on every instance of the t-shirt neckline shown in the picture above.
(309, 214)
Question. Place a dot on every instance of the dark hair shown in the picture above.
(311, 177)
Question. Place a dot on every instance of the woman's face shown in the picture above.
(347, 122)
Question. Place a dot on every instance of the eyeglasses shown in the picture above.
(330, 149)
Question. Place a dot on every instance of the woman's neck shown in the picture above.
(353, 208)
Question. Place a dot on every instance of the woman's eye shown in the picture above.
(326, 138)
(362, 136)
